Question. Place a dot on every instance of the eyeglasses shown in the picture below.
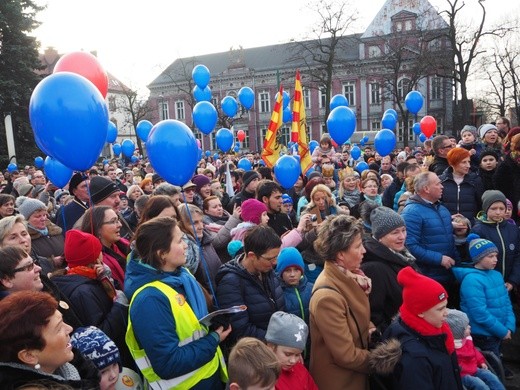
(26, 267)
(38, 177)
(370, 186)
(189, 190)
(447, 146)
(269, 259)
(113, 221)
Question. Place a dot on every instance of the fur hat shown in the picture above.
(287, 330)
(200, 181)
(383, 220)
(469, 128)
(96, 346)
(248, 177)
(101, 188)
(76, 180)
(492, 196)
(37, 190)
(25, 189)
(252, 211)
(286, 198)
(420, 293)
(289, 257)
(59, 193)
(487, 152)
(458, 322)
(482, 130)
(28, 206)
(81, 248)
(479, 247)
(456, 155)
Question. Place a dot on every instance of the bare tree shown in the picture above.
(466, 42)
(326, 47)
(496, 97)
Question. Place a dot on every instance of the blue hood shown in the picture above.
(461, 272)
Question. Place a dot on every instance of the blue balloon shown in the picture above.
(143, 129)
(12, 167)
(362, 142)
(414, 101)
(207, 153)
(224, 139)
(416, 128)
(216, 156)
(57, 173)
(286, 99)
(105, 161)
(355, 152)
(341, 124)
(244, 164)
(202, 94)
(201, 76)
(246, 97)
(205, 116)
(384, 142)
(111, 132)
(313, 144)
(69, 117)
(229, 106)
(287, 115)
(116, 148)
(422, 137)
(199, 154)
(392, 112)
(127, 147)
(169, 138)
(262, 163)
(236, 149)
(38, 162)
(389, 121)
(287, 170)
(361, 166)
(338, 101)
(134, 159)
(365, 138)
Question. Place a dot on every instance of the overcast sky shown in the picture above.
(137, 40)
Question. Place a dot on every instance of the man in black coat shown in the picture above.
(67, 215)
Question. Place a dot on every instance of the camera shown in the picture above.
(313, 218)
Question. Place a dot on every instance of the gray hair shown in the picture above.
(336, 234)
(7, 224)
(166, 189)
(421, 181)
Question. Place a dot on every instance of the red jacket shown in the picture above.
(296, 378)
(469, 357)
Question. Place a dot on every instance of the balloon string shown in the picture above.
(90, 204)
(203, 260)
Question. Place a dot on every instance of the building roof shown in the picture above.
(427, 17)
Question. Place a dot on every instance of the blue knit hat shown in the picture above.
(234, 247)
(479, 247)
(289, 257)
(286, 198)
(96, 346)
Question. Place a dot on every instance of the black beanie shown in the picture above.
(248, 177)
(101, 188)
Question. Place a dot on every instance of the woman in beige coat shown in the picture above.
(339, 308)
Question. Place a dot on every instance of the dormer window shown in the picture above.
(399, 26)
(374, 51)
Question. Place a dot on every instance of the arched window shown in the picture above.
(403, 87)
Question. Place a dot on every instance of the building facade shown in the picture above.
(404, 48)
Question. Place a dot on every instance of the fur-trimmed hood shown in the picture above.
(385, 356)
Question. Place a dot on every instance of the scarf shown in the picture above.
(375, 199)
(43, 232)
(91, 273)
(194, 294)
(405, 255)
(424, 328)
(359, 277)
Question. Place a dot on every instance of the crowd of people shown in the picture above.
(394, 277)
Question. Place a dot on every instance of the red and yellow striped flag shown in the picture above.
(299, 126)
(271, 151)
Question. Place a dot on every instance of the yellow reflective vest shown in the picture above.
(188, 329)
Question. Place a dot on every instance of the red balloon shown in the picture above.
(428, 125)
(86, 65)
(241, 135)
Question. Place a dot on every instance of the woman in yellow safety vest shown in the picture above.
(171, 348)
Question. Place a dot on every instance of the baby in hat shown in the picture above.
(286, 336)
(473, 368)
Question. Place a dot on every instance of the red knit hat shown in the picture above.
(420, 293)
(456, 155)
(252, 211)
(81, 248)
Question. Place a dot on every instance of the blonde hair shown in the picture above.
(321, 188)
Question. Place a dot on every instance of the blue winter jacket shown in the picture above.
(236, 286)
(464, 198)
(484, 298)
(507, 239)
(297, 298)
(154, 327)
(429, 236)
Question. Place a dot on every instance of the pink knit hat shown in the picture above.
(252, 210)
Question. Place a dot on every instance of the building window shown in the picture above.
(198, 135)
(323, 97)
(400, 131)
(306, 98)
(440, 126)
(213, 140)
(179, 107)
(399, 26)
(284, 135)
(112, 103)
(349, 90)
(245, 143)
(408, 25)
(214, 101)
(436, 88)
(375, 93)
(164, 111)
(375, 125)
(403, 87)
(374, 51)
(264, 102)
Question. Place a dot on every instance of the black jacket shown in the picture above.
(465, 198)
(438, 165)
(507, 180)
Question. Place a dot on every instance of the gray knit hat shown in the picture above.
(471, 129)
(287, 330)
(383, 220)
(458, 322)
(27, 206)
(491, 196)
